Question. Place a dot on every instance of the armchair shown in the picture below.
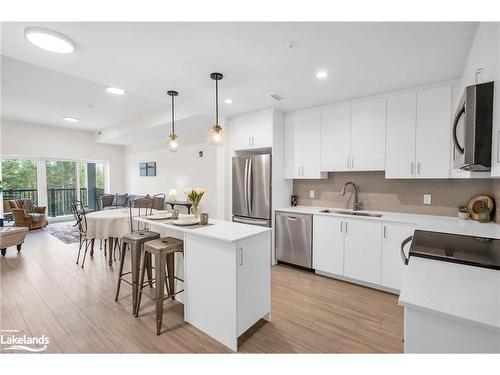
(27, 215)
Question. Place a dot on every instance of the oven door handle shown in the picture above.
(403, 255)
(455, 124)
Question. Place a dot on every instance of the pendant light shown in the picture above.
(173, 143)
(216, 134)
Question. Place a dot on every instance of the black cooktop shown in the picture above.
(455, 248)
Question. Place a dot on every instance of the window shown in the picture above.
(20, 179)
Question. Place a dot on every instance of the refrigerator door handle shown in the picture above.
(251, 221)
(249, 187)
(245, 187)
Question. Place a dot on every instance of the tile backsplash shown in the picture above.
(377, 193)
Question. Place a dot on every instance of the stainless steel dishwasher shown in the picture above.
(294, 238)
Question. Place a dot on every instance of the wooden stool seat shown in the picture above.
(140, 236)
(164, 245)
(164, 250)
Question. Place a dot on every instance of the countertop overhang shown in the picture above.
(221, 230)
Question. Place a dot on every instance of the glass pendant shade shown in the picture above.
(216, 136)
(173, 143)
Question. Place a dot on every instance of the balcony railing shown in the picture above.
(59, 200)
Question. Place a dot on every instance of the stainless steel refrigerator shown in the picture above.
(252, 189)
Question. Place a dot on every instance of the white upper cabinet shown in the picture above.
(311, 138)
(419, 134)
(293, 145)
(433, 141)
(251, 131)
(302, 140)
(368, 135)
(401, 125)
(353, 136)
(335, 138)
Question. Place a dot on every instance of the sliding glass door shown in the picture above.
(61, 187)
(53, 183)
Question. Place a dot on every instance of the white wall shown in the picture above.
(39, 141)
(180, 170)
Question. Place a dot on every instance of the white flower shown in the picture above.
(199, 190)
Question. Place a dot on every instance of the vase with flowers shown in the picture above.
(195, 195)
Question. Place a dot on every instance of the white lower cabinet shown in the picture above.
(392, 264)
(362, 250)
(328, 244)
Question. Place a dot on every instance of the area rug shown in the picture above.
(67, 233)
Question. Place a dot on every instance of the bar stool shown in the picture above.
(135, 240)
(164, 251)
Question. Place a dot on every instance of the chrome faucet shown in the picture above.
(355, 204)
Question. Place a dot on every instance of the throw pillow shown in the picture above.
(120, 200)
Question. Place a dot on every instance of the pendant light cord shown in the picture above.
(173, 126)
(217, 101)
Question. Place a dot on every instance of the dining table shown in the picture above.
(108, 225)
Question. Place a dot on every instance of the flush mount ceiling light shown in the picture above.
(173, 143)
(49, 40)
(216, 134)
(228, 101)
(321, 75)
(115, 90)
(70, 119)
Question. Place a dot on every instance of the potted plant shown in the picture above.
(195, 195)
(463, 212)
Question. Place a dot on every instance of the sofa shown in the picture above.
(27, 215)
(12, 236)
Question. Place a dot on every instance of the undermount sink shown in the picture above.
(353, 213)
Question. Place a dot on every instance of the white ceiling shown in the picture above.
(35, 94)
(146, 59)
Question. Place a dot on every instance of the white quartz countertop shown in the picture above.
(445, 224)
(454, 290)
(221, 230)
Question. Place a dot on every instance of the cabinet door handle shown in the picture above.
(241, 256)
(253, 141)
(419, 168)
(346, 226)
(341, 227)
(348, 162)
(352, 162)
(385, 232)
(412, 168)
(303, 171)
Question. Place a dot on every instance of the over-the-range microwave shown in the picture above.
(472, 129)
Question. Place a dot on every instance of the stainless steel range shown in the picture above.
(455, 248)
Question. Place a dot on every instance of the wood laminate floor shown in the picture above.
(43, 291)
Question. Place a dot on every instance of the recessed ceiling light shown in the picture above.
(115, 90)
(321, 75)
(228, 101)
(49, 40)
(70, 119)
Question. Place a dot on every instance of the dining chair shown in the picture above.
(134, 241)
(79, 214)
(159, 201)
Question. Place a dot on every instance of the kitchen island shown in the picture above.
(226, 269)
